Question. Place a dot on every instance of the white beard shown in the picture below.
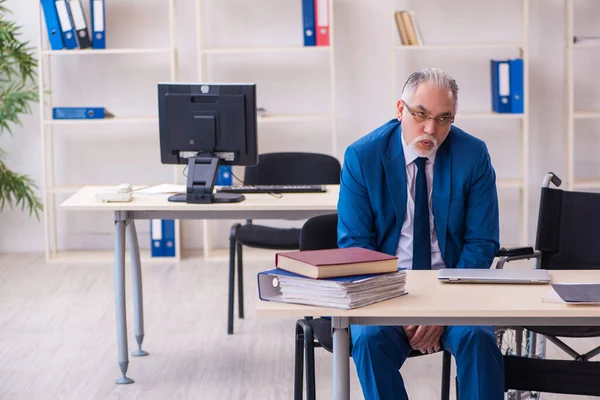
(421, 152)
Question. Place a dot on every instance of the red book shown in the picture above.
(322, 22)
(336, 262)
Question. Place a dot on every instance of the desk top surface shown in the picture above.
(84, 199)
(427, 297)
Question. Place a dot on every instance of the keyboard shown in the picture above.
(274, 189)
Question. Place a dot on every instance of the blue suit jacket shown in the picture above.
(372, 202)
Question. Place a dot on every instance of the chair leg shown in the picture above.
(240, 272)
(309, 353)
(446, 366)
(299, 362)
(232, 243)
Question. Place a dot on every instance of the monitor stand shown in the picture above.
(202, 173)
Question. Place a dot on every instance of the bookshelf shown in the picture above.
(497, 48)
(53, 130)
(208, 51)
(573, 115)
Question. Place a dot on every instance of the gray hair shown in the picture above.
(434, 77)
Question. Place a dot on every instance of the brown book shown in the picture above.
(336, 262)
(410, 29)
(401, 27)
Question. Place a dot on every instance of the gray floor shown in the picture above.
(57, 337)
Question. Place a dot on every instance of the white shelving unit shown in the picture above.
(572, 115)
(203, 51)
(522, 46)
(49, 128)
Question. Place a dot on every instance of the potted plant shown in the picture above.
(18, 89)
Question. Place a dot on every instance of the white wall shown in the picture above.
(126, 85)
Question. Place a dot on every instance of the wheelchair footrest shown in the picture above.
(552, 376)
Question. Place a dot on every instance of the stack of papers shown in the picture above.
(343, 292)
(574, 293)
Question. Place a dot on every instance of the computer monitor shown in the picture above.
(205, 125)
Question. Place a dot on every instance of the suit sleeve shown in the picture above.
(355, 217)
(482, 229)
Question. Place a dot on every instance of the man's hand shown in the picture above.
(410, 331)
(426, 339)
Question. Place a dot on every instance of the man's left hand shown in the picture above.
(427, 339)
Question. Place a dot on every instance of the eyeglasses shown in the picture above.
(420, 116)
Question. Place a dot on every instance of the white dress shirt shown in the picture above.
(404, 251)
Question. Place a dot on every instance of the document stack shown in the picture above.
(374, 277)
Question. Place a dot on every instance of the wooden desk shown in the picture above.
(431, 302)
(156, 206)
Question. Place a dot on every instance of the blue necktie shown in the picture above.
(421, 238)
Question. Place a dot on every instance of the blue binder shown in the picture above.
(66, 24)
(79, 113)
(52, 25)
(516, 86)
(308, 21)
(224, 177)
(98, 24)
(500, 74)
(162, 238)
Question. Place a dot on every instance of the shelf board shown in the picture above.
(79, 52)
(242, 50)
(458, 46)
(104, 257)
(102, 121)
(487, 114)
(586, 184)
(586, 114)
(292, 117)
(586, 44)
(509, 183)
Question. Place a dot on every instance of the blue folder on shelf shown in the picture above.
(80, 113)
(308, 22)
(224, 177)
(500, 74)
(516, 86)
(162, 238)
(52, 25)
(66, 24)
(98, 24)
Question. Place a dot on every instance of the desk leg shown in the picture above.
(341, 358)
(136, 275)
(120, 297)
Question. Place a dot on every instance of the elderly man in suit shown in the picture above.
(422, 189)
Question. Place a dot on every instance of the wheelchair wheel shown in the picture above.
(506, 339)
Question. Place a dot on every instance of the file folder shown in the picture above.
(308, 21)
(52, 25)
(162, 238)
(500, 74)
(98, 22)
(80, 113)
(224, 177)
(66, 25)
(322, 22)
(83, 35)
(516, 86)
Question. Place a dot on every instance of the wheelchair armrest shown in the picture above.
(516, 253)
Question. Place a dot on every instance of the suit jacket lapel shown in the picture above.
(395, 172)
(442, 172)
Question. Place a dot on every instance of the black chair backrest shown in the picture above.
(568, 231)
(294, 169)
(319, 233)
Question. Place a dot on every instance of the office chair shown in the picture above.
(275, 169)
(567, 238)
(318, 233)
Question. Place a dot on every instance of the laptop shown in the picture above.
(474, 275)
